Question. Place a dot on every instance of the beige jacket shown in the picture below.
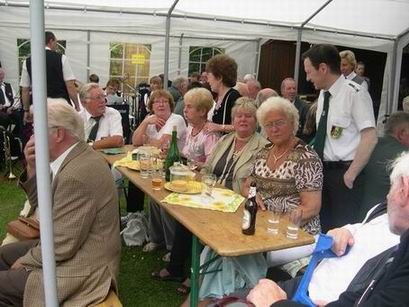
(243, 166)
(86, 232)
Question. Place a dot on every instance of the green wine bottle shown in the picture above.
(173, 154)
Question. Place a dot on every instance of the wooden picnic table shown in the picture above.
(221, 231)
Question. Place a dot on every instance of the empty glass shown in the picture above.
(273, 221)
(294, 222)
(209, 181)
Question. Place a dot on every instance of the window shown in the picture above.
(198, 56)
(24, 50)
(131, 62)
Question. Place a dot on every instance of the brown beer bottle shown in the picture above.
(250, 212)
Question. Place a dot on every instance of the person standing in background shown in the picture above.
(60, 78)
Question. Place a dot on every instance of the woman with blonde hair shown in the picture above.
(198, 142)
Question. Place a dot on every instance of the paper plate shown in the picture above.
(135, 165)
(193, 187)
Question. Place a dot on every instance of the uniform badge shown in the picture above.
(336, 132)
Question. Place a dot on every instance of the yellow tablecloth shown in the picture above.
(222, 200)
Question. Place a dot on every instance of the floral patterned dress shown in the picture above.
(280, 188)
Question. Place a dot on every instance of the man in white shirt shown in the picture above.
(102, 124)
(9, 104)
(345, 137)
(60, 78)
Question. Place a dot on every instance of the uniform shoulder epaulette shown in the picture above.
(354, 86)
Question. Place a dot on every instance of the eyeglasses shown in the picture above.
(277, 124)
(161, 102)
(99, 97)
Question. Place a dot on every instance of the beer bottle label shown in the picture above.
(246, 220)
(252, 192)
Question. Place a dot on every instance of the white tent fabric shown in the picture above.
(237, 26)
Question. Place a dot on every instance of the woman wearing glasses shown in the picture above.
(288, 174)
(156, 129)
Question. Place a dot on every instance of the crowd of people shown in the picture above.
(324, 158)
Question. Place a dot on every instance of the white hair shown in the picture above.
(177, 82)
(248, 77)
(278, 104)
(61, 114)
(400, 167)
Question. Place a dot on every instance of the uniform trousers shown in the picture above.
(135, 198)
(13, 282)
(181, 251)
(162, 226)
(340, 205)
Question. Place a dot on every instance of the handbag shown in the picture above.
(24, 228)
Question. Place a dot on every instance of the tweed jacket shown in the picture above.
(87, 244)
(243, 166)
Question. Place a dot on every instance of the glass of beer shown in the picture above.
(157, 179)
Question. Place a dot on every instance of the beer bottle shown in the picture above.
(173, 154)
(250, 211)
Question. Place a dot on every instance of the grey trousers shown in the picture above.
(162, 226)
(13, 282)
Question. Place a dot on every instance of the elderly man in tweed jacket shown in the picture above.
(86, 223)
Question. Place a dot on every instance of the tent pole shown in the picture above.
(258, 55)
(38, 65)
(401, 42)
(180, 54)
(392, 102)
(167, 39)
(297, 56)
(299, 37)
(88, 54)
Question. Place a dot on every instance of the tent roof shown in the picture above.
(377, 18)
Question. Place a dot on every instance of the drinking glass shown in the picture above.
(157, 179)
(273, 221)
(209, 181)
(144, 164)
(294, 222)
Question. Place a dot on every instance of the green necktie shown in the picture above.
(94, 130)
(322, 127)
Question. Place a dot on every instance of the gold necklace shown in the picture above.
(277, 158)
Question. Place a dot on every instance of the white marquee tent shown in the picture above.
(237, 26)
(171, 26)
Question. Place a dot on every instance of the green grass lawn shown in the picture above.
(136, 287)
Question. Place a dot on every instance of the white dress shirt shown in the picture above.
(350, 111)
(173, 120)
(110, 123)
(15, 104)
(56, 164)
(333, 275)
(352, 75)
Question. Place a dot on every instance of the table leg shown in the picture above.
(194, 292)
